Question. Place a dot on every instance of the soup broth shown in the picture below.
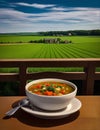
(51, 88)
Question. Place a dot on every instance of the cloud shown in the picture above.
(58, 9)
(55, 19)
(35, 5)
(89, 14)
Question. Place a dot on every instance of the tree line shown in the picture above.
(58, 33)
(73, 33)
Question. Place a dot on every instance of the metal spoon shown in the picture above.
(23, 102)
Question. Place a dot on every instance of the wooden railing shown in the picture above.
(88, 75)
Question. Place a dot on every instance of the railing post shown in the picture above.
(89, 82)
(22, 79)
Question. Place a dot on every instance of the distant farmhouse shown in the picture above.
(51, 40)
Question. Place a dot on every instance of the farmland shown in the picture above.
(81, 47)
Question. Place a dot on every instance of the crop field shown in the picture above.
(81, 47)
(88, 50)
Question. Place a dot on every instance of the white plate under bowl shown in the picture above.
(74, 106)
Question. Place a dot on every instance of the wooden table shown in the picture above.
(87, 118)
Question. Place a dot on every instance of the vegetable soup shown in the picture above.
(51, 88)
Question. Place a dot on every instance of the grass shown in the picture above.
(88, 50)
(75, 39)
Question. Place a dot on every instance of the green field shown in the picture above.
(81, 47)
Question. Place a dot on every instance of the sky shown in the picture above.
(48, 15)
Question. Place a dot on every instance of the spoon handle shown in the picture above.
(12, 111)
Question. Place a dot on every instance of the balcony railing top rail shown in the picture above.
(88, 75)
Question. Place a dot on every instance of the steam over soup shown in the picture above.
(51, 88)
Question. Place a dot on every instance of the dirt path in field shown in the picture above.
(4, 44)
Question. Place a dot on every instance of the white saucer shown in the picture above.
(74, 106)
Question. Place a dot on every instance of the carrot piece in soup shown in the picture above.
(63, 91)
(38, 86)
(49, 93)
(39, 93)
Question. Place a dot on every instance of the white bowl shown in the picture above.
(50, 103)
